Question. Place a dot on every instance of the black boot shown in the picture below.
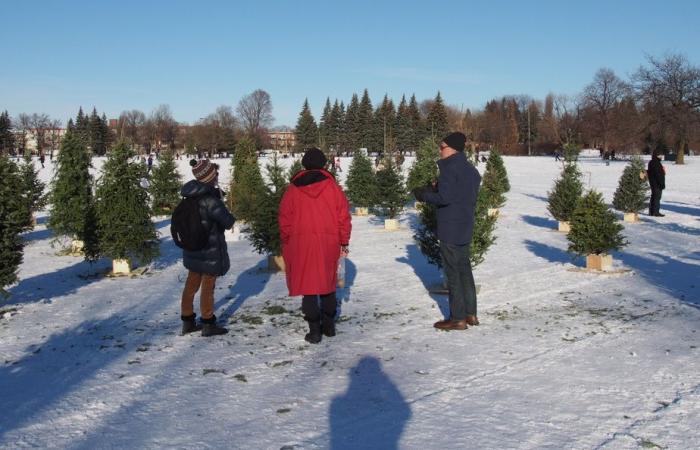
(314, 334)
(328, 325)
(189, 324)
(210, 328)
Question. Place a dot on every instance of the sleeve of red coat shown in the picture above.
(344, 221)
(285, 215)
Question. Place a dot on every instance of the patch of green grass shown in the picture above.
(240, 377)
(274, 310)
(247, 318)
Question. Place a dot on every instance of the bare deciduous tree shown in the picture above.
(255, 112)
(670, 87)
(130, 126)
(602, 97)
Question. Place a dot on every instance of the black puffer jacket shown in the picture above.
(212, 259)
(656, 174)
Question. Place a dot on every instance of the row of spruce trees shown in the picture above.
(594, 228)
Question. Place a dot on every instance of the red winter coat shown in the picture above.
(314, 221)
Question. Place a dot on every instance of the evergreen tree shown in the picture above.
(495, 183)
(391, 193)
(341, 129)
(324, 126)
(631, 193)
(361, 184)
(571, 152)
(484, 226)
(264, 227)
(247, 185)
(352, 119)
(426, 234)
(383, 126)
(95, 143)
(32, 191)
(7, 139)
(106, 133)
(415, 121)
(567, 191)
(165, 184)
(306, 130)
(403, 129)
(73, 209)
(495, 163)
(424, 170)
(13, 214)
(436, 122)
(123, 215)
(82, 127)
(294, 169)
(365, 115)
(594, 229)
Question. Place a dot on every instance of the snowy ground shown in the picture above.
(563, 358)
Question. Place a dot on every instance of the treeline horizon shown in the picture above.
(657, 108)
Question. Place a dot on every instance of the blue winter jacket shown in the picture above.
(455, 197)
(213, 258)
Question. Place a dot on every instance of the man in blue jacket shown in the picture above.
(455, 195)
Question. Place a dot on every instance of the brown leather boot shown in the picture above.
(451, 325)
(472, 320)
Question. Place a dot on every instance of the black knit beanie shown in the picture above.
(456, 141)
(313, 159)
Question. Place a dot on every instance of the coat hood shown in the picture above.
(194, 188)
(312, 182)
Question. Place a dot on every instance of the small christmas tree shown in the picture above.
(492, 188)
(391, 193)
(165, 185)
(247, 185)
(32, 191)
(426, 234)
(13, 213)
(294, 169)
(631, 193)
(72, 212)
(424, 170)
(495, 164)
(566, 193)
(123, 214)
(264, 227)
(594, 229)
(361, 183)
(571, 152)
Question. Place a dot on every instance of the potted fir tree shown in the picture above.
(14, 215)
(72, 204)
(264, 227)
(631, 194)
(165, 185)
(391, 194)
(123, 215)
(565, 195)
(595, 232)
(361, 184)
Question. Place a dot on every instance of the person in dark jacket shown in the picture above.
(315, 225)
(455, 195)
(657, 182)
(211, 261)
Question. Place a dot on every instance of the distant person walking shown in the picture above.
(455, 195)
(657, 181)
(557, 155)
(314, 221)
(210, 260)
(150, 162)
(42, 159)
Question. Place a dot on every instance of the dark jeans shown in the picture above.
(460, 280)
(655, 201)
(312, 313)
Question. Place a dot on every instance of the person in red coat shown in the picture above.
(315, 226)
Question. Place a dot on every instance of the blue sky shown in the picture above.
(197, 55)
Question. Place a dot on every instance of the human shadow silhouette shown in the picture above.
(343, 295)
(537, 197)
(675, 207)
(548, 252)
(249, 283)
(371, 414)
(542, 222)
(37, 235)
(428, 274)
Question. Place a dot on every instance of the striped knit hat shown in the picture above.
(204, 170)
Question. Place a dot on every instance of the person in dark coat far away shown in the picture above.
(455, 195)
(212, 261)
(657, 181)
(314, 221)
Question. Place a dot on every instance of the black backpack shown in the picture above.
(186, 226)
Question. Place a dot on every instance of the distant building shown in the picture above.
(28, 140)
(283, 141)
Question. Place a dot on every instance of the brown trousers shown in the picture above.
(206, 298)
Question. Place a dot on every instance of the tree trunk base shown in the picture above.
(275, 263)
(493, 212)
(601, 262)
(564, 227)
(76, 248)
(361, 211)
(391, 224)
(121, 267)
(631, 217)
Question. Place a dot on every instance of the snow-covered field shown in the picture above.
(563, 359)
